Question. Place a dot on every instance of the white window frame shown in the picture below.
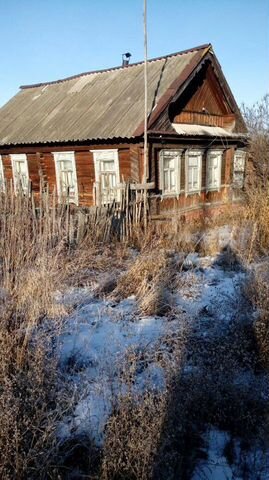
(177, 155)
(199, 154)
(219, 154)
(66, 156)
(97, 158)
(241, 154)
(3, 183)
(20, 157)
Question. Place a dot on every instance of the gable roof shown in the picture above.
(102, 104)
(99, 105)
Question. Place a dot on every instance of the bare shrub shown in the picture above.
(257, 120)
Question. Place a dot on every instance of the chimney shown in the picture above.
(126, 59)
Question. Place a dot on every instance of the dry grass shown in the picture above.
(257, 291)
(132, 437)
(29, 403)
(251, 226)
(147, 279)
(41, 251)
(33, 397)
(135, 429)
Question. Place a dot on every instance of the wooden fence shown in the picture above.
(117, 219)
(56, 219)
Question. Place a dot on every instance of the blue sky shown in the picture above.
(45, 40)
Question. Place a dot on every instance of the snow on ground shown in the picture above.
(252, 464)
(97, 337)
(209, 295)
(99, 333)
(215, 467)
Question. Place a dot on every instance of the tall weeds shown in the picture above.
(32, 248)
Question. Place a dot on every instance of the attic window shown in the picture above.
(193, 171)
(20, 172)
(213, 167)
(170, 161)
(107, 175)
(66, 176)
(239, 168)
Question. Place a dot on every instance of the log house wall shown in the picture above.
(41, 163)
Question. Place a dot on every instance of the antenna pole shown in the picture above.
(145, 112)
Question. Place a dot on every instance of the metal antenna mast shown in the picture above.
(145, 112)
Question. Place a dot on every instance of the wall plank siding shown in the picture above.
(229, 155)
(203, 179)
(135, 163)
(208, 94)
(7, 168)
(198, 118)
(85, 176)
(125, 164)
(47, 167)
(33, 161)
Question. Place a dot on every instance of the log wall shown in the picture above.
(42, 166)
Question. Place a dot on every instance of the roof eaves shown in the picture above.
(67, 141)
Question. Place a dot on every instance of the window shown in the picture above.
(170, 171)
(107, 176)
(193, 171)
(66, 176)
(213, 174)
(2, 177)
(239, 168)
(20, 172)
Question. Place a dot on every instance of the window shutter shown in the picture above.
(161, 186)
(2, 177)
(177, 171)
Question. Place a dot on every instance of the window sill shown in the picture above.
(196, 192)
(217, 189)
(171, 195)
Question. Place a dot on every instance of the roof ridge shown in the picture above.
(182, 52)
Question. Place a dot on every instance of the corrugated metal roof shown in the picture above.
(187, 129)
(96, 105)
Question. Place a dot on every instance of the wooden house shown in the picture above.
(84, 134)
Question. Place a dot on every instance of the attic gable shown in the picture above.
(204, 95)
(204, 99)
(203, 102)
